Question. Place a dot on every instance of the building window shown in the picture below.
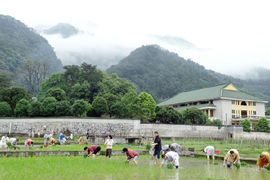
(254, 112)
(243, 103)
(233, 111)
(233, 102)
(254, 103)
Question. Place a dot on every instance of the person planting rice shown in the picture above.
(131, 155)
(81, 140)
(109, 143)
(5, 139)
(3, 142)
(28, 143)
(263, 160)
(157, 147)
(210, 151)
(175, 147)
(62, 139)
(170, 157)
(13, 142)
(94, 149)
(52, 141)
(46, 139)
(165, 149)
(232, 157)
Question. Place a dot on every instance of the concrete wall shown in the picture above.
(122, 130)
(253, 136)
(260, 108)
(183, 131)
(223, 111)
(103, 127)
(95, 127)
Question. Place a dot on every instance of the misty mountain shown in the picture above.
(256, 73)
(175, 41)
(19, 43)
(64, 29)
(164, 74)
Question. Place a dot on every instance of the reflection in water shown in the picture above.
(191, 168)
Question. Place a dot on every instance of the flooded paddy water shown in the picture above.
(78, 167)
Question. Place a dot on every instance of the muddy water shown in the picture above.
(192, 168)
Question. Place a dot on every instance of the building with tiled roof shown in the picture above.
(224, 102)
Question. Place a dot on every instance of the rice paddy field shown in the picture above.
(78, 167)
(247, 149)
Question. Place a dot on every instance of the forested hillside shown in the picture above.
(164, 74)
(18, 43)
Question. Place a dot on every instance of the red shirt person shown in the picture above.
(131, 155)
(94, 149)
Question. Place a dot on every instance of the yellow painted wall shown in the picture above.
(231, 87)
(237, 107)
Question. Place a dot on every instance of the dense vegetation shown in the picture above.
(163, 74)
(83, 91)
(19, 44)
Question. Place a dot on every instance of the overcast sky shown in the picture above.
(231, 35)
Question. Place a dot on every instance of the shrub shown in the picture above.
(217, 123)
(48, 106)
(262, 125)
(5, 109)
(246, 125)
(34, 109)
(79, 108)
(22, 108)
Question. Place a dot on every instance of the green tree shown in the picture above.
(129, 105)
(48, 106)
(13, 95)
(100, 106)
(81, 91)
(58, 93)
(267, 112)
(194, 116)
(111, 100)
(246, 125)
(119, 110)
(5, 109)
(79, 108)
(147, 106)
(62, 108)
(56, 80)
(34, 109)
(168, 115)
(262, 125)
(5, 79)
(21, 109)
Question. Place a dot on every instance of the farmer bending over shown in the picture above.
(13, 142)
(170, 157)
(94, 149)
(175, 147)
(232, 157)
(28, 143)
(210, 151)
(263, 160)
(131, 155)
